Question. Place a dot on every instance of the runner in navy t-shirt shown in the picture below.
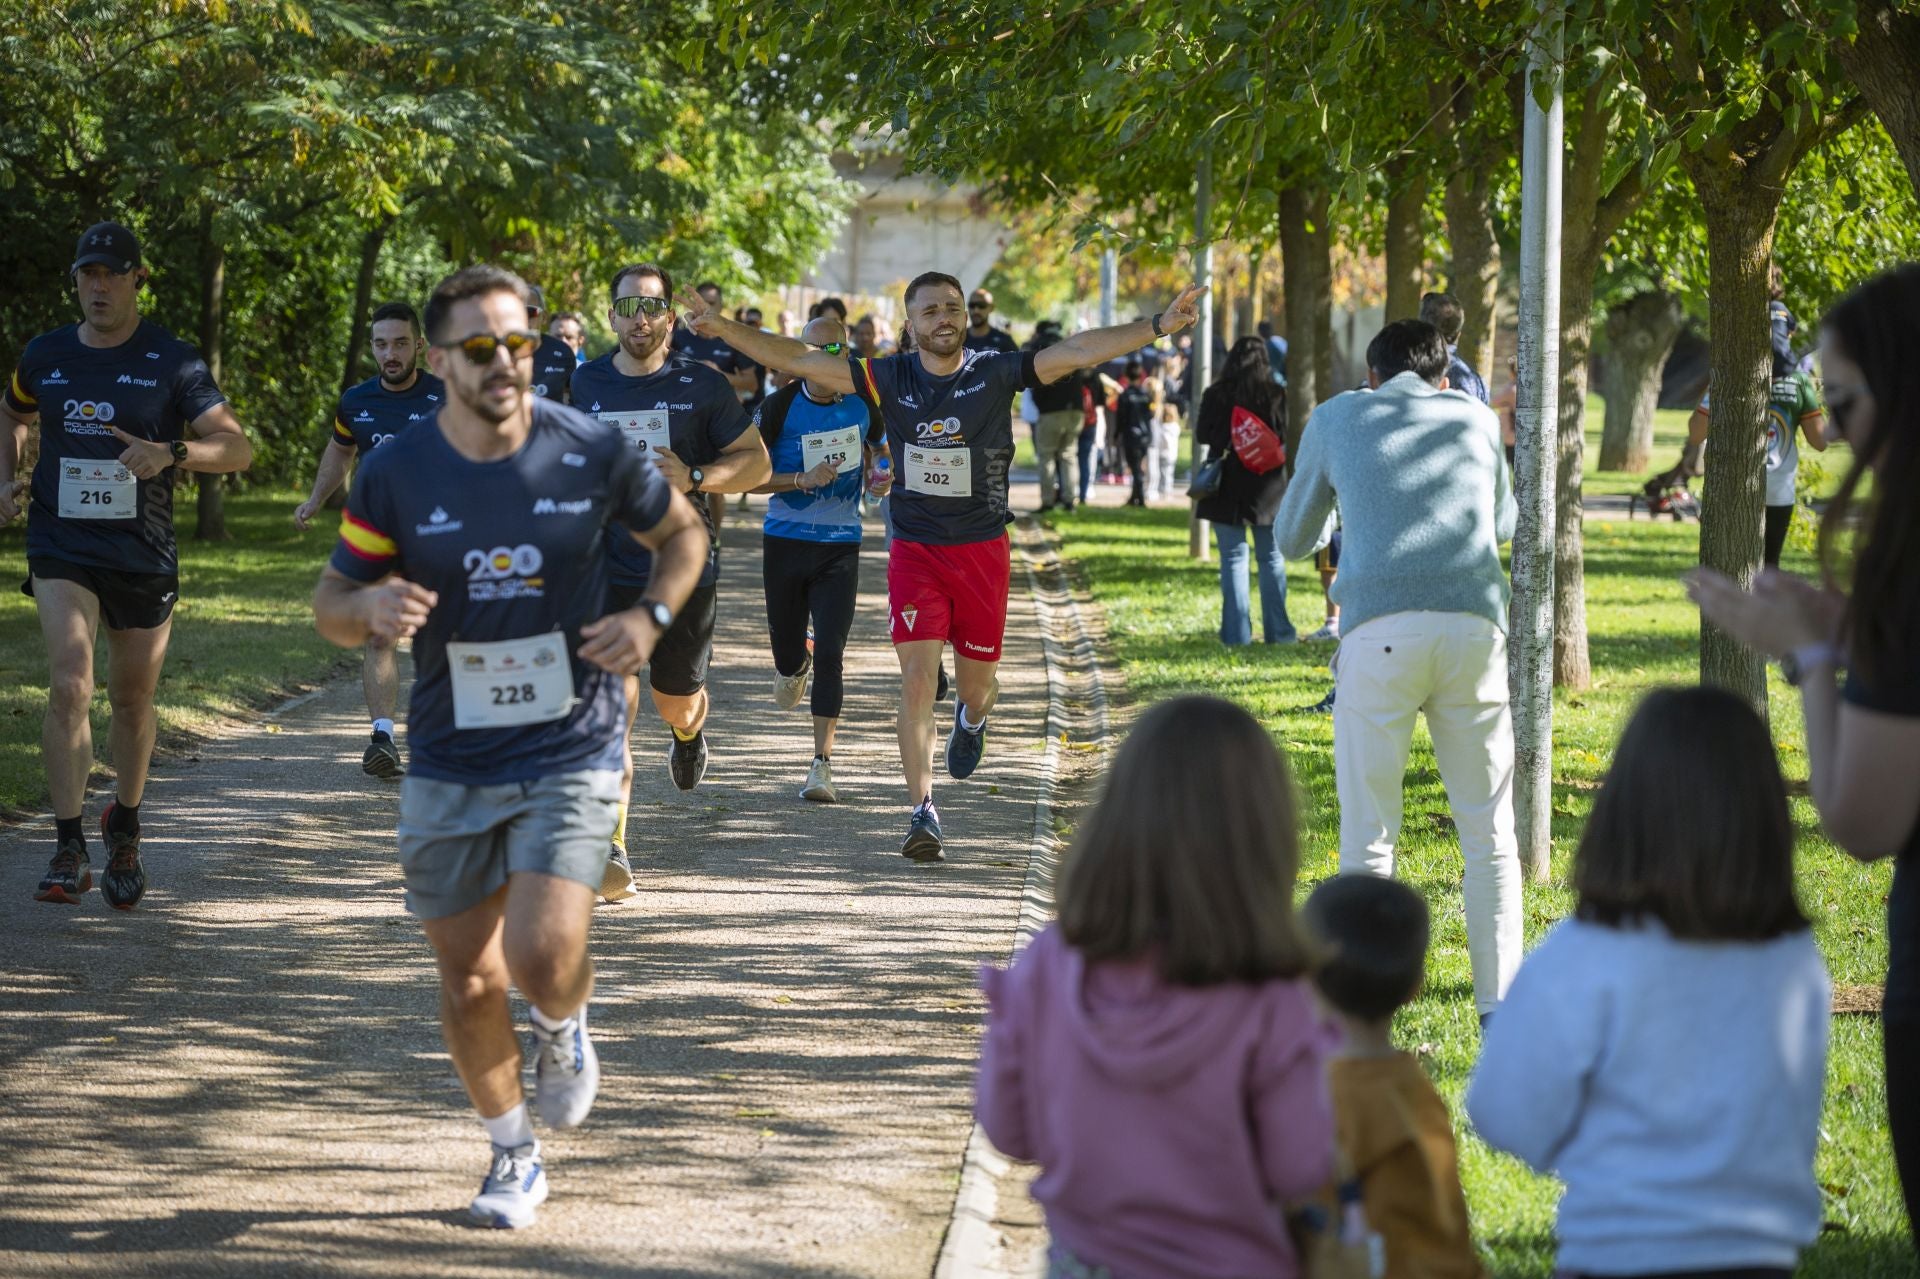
(820, 442)
(481, 535)
(369, 415)
(688, 419)
(555, 361)
(948, 415)
(981, 335)
(115, 398)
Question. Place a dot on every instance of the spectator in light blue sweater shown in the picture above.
(1663, 1051)
(1425, 502)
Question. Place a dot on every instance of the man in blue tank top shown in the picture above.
(481, 536)
(371, 414)
(949, 424)
(116, 398)
(820, 441)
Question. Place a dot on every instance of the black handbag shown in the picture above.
(1206, 478)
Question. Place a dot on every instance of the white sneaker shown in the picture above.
(566, 1072)
(819, 787)
(788, 689)
(516, 1185)
(1331, 631)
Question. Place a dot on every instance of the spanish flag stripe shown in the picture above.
(342, 432)
(20, 394)
(873, 392)
(364, 540)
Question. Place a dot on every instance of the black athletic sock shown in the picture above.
(824, 759)
(124, 819)
(66, 828)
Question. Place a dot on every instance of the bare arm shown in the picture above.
(1814, 427)
(222, 447)
(1096, 346)
(348, 613)
(789, 355)
(333, 469)
(741, 467)
(13, 447)
(1861, 770)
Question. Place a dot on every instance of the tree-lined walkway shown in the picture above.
(246, 1077)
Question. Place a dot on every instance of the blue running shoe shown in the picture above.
(923, 835)
(516, 1185)
(566, 1071)
(964, 745)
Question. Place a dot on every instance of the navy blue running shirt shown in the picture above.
(553, 367)
(515, 548)
(687, 406)
(993, 340)
(370, 415)
(690, 345)
(150, 386)
(952, 441)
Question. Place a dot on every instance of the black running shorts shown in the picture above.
(128, 601)
(680, 659)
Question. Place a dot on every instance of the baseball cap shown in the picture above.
(109, 244)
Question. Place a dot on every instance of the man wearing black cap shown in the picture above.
(553, 362)
(116, 398)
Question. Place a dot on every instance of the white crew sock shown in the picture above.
(383, 726)
(511, 1130)
(968, 724)
(550, 1023)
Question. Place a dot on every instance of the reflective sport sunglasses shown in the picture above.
(480, 347)
(831, 348)
(633, 304)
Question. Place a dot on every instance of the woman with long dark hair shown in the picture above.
(1863, 731)
(1246, 500)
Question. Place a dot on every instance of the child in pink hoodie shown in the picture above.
(1157, 1051)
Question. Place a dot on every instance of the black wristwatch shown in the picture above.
(1157, 330)
(662, 615)
(698, 477)
(179, 450)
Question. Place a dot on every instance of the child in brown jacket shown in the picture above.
(1389, 1123)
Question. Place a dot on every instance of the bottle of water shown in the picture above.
(870, 500)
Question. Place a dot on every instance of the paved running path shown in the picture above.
(245, 1077)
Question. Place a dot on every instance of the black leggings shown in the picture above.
(1779, 520)
(1903, 1110)
(817, 581)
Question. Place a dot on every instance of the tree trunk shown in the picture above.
(370, 246)
(1640, 335)
(1883, 60)
(1474, 276)
(1572, 668)
(210, 511)
(1406, 237)
(1740, 224)
(1307, 303)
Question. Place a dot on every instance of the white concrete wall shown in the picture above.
(906, 224)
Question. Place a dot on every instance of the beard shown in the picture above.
(945, 344)
(639, 346)
(476, 396)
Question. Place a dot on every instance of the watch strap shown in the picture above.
(1157, 330)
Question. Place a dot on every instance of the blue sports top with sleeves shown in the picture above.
(702, 416)
(150, 386)
(370, 415)
(514, 547)
(952, 440)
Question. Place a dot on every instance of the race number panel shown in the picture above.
(938, 472)
(841, 447)
(645, 429)
(510, 682)
(97, 489)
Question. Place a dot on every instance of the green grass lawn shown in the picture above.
(1163, 610)
(242, 636)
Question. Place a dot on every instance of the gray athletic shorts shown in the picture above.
(459, 843)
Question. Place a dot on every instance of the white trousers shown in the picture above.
(1163, 456)
(1452, 667)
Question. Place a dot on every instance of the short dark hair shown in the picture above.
(1690, 827)
(395, 311)
(1444, 312)
(1372, 934)
(642, 269)
(825, 305)
(475, 281)
(927, 279)
(1408, 345)
(704, 285)
(1163, 868)
(1133, 369)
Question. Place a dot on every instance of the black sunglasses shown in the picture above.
(831, 348)
(480, 348)
(979, 306)
(633, 304)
